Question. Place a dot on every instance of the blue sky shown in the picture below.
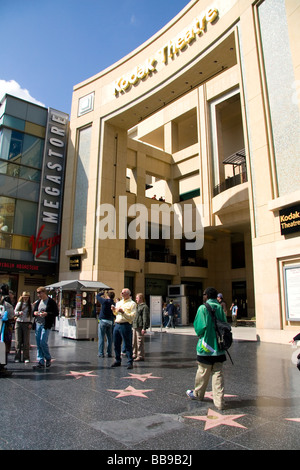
(48, 46)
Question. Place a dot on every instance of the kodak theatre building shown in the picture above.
(183, 165)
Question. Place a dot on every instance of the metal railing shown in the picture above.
(230, 183)
(159, 257)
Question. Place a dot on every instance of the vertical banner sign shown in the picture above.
(45, 245)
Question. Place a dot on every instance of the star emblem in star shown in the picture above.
(131, 391)
(142, 377)
(78, 375)
(214, 419)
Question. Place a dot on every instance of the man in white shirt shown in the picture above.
(124, 311)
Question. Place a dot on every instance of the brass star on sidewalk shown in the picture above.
(142, 377)
(78, 375)
(214, 419)
(131, 391)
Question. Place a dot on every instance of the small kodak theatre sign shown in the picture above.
(289, 220)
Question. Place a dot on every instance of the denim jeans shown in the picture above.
(171, 321)
(123, 333)
(42, 336)
(104, 330)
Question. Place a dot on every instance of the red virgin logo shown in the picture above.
(40, 245)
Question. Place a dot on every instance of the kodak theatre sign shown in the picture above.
(289, 220)
(45, 243)
(168, 51)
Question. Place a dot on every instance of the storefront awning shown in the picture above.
(78, 285)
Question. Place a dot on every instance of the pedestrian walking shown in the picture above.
(23, 325)
(124, 311)
(106, 321)
(45, 311)
(6, 328)
(171, 310)
(140, 324)
(209, 357)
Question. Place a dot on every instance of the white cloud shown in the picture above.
(13, 88)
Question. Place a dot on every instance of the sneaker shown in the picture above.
(17, 360)
(190, 394)
(27, 361)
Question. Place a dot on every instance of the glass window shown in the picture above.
(17, 216)
(29, 173)
(7, 212)
(15, 147)
(21, 148)
(25, 217)
(33, 148)
(82, 184)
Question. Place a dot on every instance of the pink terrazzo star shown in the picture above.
(214, 419)
(210, 395)
(131, 391)
(293, 419)
(78, 375)
(142, 377)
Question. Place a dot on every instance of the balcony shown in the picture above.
(238, 161)
(160, 257)
(193, 267)
(230, 183)
(158, 262)
(132, 254)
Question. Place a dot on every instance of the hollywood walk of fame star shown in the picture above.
(214, 419)
(210, 395)
(131, 391)
(78, 375)
(293, 419)
(142, 377)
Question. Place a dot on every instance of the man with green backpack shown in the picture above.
(210, 354)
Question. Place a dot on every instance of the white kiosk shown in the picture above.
(76, 301)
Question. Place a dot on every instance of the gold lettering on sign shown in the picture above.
(169, 51)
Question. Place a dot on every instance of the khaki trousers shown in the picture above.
(203, 374)
(138, 345)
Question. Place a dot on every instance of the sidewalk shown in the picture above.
(81, 403)
(247, 333)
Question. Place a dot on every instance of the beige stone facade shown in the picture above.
(205, 113)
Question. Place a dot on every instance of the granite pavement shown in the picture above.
(81, 403)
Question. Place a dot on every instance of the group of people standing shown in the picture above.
(122, 325)
(21, 317)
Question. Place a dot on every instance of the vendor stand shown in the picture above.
(77, 308)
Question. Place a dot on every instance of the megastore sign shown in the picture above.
(169, 51)
(47, 239)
